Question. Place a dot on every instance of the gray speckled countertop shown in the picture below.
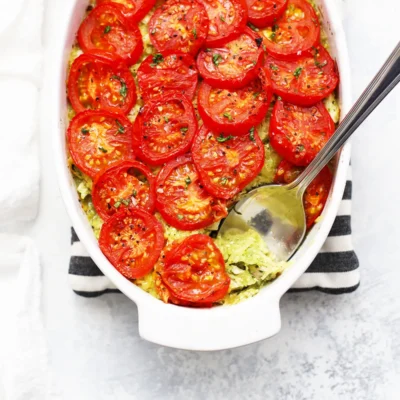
(330, 347)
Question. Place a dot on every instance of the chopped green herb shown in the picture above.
(166, 119)
(256, 94)
(180, 216)
(107, 29)
(272, 36)
(297, 72)
(273, 67)
(300, 148)
(102, 149)
(157, 59)
(117, 204)
(184, 129)
(221, 17)
(251, 134)
(125, 202)
(134, 193)
(224, 180)
(124, 90)
(121, 128)
(194, 33)
(188, 181)
(275, 27)
(253, 27)
(221, 138)
(229, 116)
(320, 65)
(279, 98)
(85, 131)
(216, 58)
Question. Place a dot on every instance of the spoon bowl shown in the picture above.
(276, 212)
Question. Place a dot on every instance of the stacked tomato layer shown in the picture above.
(228, 57)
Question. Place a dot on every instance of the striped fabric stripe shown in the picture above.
(335, 269)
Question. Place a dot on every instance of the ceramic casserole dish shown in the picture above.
(215, 328)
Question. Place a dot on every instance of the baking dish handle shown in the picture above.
(209, 329)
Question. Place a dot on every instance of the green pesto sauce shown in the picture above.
(248, 261)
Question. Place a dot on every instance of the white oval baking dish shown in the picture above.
(189, 328)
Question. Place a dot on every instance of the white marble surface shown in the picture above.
(343, 347)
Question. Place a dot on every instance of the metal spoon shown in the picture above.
(277, 211)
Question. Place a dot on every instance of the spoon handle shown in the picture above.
(385, 80)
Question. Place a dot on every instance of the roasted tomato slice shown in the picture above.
(316, 194)
(165, 128)
(181, 198)
(98, 82)
(167, 71)
(105, 29)
(134, 10)
(294, 33)
(304, 81)
(235, 64)
(179, 25)
(234, 111)
(226, 164)
(298, 133)
(129, 184)
(194, 271)
(227, 20)
(265, 12)
(132, 240)
(97, 139)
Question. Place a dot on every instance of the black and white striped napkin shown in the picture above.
(334, 270)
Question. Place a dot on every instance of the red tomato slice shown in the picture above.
(165, 128)
(234, 111)
(194, 271)
(98, 82)
(286, 172)
(132, 240)
(227, 20)
(294, 33)
(134, 10)
(316, 194)
(181, 199)
(298, 133)
(226, 164)
(160, 73)
(129, 184)
(98, 139)
(265, 12)
(304, 81)
(106, 30)
(179, 25)
(235, 64)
